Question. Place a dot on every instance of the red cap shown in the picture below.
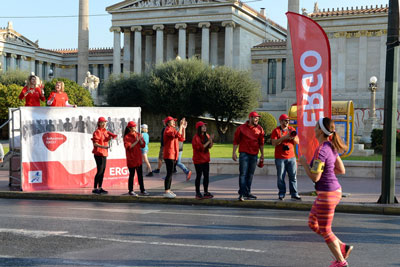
(283, 117)
(254, 114)
(102, 119)
(131, 124)
(169, 118)
(199, 124)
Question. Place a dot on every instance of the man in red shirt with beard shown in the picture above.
(250, 139)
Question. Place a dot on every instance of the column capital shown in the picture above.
(24, 58)
(40, 62)
(13, 55)
(158, 27)
(180, 26)
(126, 30)
(95, 65)
(137, 28)
(228, 24)
(115, 29)
(204, 25)
(148, 32)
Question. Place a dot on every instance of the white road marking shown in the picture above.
(32, 233)
(135, 211)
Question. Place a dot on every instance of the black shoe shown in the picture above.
(174, 171)
(199, 196)
(281, 198)
(144, 193)
(131, 193)
(102, 191)
(297, 198)
(150, 174)
(96, 191)
(241, 198)
(156, 171)
(251, 197)
(208, 195)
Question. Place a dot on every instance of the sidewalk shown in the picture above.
(359, 194)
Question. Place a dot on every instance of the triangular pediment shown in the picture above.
(11, 36)
(133, 4)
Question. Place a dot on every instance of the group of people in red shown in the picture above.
(33, 93)
(133, 142)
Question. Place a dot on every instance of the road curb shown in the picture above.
(382, 209)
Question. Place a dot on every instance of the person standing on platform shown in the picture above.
(284, 138)
(31, 93)
(100, 150)
(145, 149)
(171, 149)
(59, 98)
(133, 142)
(322, 170)
(202, 142)
(249, 137)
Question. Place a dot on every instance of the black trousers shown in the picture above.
(101, 167)
(202, 169)
(169, 163)
(139, 171)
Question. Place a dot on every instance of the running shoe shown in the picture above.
(131, 193)
(156, 171)
(96, 191)
(339, 264)
(251, 197)
(296, 198)
(188, 175)
(241, 198)
(144, 193)
(208, 195)
(169, 195)
(150, 174)
(199, 196)
(102, 191)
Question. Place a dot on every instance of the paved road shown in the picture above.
(61, 233)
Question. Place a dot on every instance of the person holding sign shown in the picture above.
(59, 98)
(100, 150)
(324, 166)
(31, 93)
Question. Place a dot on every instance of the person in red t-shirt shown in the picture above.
(31, 93)
(100, 150)
(250, 139)
(133, 142)
(171, 140)
(284, 138)
(201, 143)
(59, 98)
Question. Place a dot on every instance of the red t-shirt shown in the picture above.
(101, 136)
(133, 154)
(200, 154)
(279, 152)
(171, 140)
(249, 138)
(60, 99)
(32, 99)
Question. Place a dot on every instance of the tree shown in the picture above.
(269, 123)
(17, 77)
(176, 88)
(76, 94)
(230, 95)
(9, 98)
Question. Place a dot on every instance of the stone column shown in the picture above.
(2, 61)
(127, 51)
(192, 42)
(117, 50)
(341, 78)
(170, 44)
(205, 41)
(229, 25)
(159, 43)
(293, 6)
(47, 71)
(362, 62)
(182, 39)
(382, 59)
(95, 70)
(214, 46)
(148, 58)
(40, 70)
(137, 54)
(278, 76)
(32, 65)
(13, 61)
(83, 40)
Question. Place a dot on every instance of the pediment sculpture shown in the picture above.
(158, 3)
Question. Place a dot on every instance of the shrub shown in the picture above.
(377, 140)
(9, 98)
(76, 94)
(17, 77)
(268, 122)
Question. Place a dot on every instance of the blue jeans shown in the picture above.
(289, 166)
(180, 164)
(247, 166)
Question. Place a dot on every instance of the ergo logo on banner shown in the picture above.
(312, 92)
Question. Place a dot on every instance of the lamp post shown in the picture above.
(373, 87)
(51, 74)
(370, 123)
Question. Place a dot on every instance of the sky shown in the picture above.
(31, 18)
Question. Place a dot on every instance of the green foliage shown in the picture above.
(76, 94)
(17, 76)
(125, 91)
(377, 140)
(176, 87)
(268, 122)
(9, 98)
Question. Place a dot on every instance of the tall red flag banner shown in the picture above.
(312, 64)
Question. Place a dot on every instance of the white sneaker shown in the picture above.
(169, 195)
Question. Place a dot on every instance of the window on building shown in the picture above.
(283, 73)
(272, 76)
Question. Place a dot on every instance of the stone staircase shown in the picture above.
(359, 150)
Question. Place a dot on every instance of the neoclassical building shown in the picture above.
(221, 32)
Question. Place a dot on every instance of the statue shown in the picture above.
(91, 83)
(316, 9)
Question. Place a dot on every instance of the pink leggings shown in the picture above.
(322, 212)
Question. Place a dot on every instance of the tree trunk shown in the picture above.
(222, 128)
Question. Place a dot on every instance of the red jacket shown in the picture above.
(32, 99)
(279, 152)
(133, 154)
(171, 143)
(101, 136)
(60, 99)
(200, 154)
(249, 138)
